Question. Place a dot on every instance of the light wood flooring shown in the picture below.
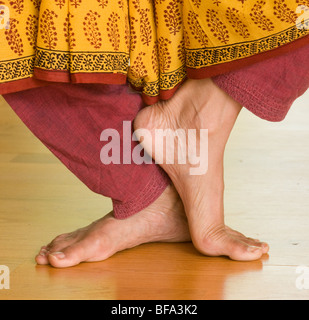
(267, 197)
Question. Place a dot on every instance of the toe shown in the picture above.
(68, 257)
(242, 251)
(85, 250)
(265, 247)
(253, 243)
(41, 257)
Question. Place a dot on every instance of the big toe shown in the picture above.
(242, 251)
(68, 257)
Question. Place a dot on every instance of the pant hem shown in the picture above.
(150, 193)
(252, 98)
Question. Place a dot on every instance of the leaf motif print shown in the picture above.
(48, 30)
(283, 12)
(13, 38)
(17, 5)
(217, 27)
(196, 30)
(103, 3)
(233, 16)
(259, 18)
(172, 17)
(165, 58)
(69, 32)
(76, 3)
(37, 4)
(91, 30)
(32, 29)
(145, 30)
(113, 30)
(60, 3)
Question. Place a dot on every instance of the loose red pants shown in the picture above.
(69, 119)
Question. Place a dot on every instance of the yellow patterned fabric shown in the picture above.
(151, 44)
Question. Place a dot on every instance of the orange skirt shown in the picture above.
(154, 45)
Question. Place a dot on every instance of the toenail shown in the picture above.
(253, 248)
(43, 252)
(57, 255)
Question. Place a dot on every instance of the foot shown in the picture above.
(162, 221)
(200, 104)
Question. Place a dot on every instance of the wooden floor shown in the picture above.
(267, 188)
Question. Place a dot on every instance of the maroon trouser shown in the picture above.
(69, 120)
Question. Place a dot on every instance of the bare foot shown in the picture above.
(162, 221)
(200, 104)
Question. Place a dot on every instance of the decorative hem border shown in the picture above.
(208, 57)
(215, 70)
(150, 95)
